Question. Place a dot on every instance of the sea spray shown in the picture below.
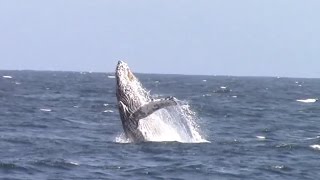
(174, 123)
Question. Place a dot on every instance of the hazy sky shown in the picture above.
(214, 37)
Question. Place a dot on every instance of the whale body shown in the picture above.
(134, 102)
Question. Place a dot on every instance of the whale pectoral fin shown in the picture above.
(153, 106)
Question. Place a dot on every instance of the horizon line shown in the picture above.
(217, 75)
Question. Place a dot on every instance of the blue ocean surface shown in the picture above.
(65, 125)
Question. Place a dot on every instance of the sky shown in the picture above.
(205, 37)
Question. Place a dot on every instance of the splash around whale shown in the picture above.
(144, 118)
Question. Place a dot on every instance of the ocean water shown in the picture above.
(65, 125)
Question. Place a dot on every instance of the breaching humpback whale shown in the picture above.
(134, 102)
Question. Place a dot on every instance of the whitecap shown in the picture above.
(204, 80)
(46, 110)
(7, 77)
(315, 146)
(111, 77)
(108, 111)
(261, 137)
(234, 96)
(307, 100)
(223, 87)
(105, 104)
(278, 166)
(74, 163)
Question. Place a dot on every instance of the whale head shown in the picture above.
(124, 75)
(128, 90)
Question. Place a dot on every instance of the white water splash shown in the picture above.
(175, 123)
(121, 138)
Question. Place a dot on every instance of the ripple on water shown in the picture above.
(56, 163)
(77, 140)
(11, 167)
